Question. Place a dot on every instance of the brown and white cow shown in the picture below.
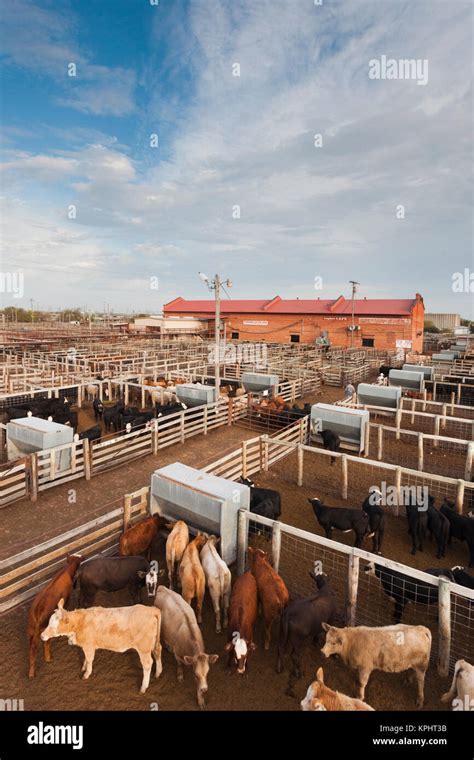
(116, 629)
(176, 543)
(182, 636)
(218, 580)
(43, 606)
(242, 618)
(390, 648)
(191, 574)
(139, 538)
(321, 697)
(272, 591)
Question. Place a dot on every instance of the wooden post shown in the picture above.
(127, 510)
(398, 488)
(183, 436)
(460, 495)
(265, 454)
(244, 458)
(33, 468)
(413, 404)
(352, 586)
(276, 545)
(154, 437)
(80, 390)
(469, 458)
(379, 442)
(398, 418)
(434, 390)
(443, 416)
(143, 397)
(345, 478)
(424, 400)
(101, 391)
(242, 541)
(437, 424)
(453, 395)
(420, 451)
(52, 464)
(367, 440)
(444, 626)
(230, 411)
(126, 392)
(300, 452)
(87, 458)
(205, 420)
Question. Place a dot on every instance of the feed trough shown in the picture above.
(205, 502)
(409, 380)
(379, 395)
(195, 395)
(428, 372)
(351, 425)
(31, 434)
(257, 382)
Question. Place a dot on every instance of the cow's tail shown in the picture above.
(449, 695)
(157, 642)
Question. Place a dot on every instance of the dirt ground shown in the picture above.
(116, 678)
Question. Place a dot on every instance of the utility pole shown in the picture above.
(216, 284)
(354, 284)
(32, 317)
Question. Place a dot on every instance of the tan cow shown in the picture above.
(272, 592)
(191, 574)
(182, 636)
(176, 543)
(116, 629)
(218, 580)
(321, 697)
(461, 693)
(391, 648)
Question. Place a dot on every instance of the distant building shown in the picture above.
(443, 321)
(379, 323)
(170, 326)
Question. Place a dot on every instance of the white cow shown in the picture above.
(461, 693)
(182, 636)
(218, 580)
(116, 629)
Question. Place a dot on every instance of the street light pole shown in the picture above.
(354, 284)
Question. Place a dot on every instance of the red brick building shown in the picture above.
(379, 322)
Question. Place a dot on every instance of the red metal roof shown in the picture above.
(276, 305)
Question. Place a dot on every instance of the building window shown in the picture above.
(234, 335)
(294, 338)
(368, 342)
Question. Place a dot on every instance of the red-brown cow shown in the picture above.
(139, 538)
(272, 592)
(43, 606)
(242, 618)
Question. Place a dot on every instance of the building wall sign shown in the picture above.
(403, 343)
(255, 322)
(384, 321)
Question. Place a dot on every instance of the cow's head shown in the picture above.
(150, 579)
(256, 555)
(58, 625)
(312, 701)
(370, 569)
(334, 640)
(247, 482)
(241, 650)
(200, 664)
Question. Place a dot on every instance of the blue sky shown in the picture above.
(224, 141)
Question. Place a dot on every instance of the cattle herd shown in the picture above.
(174, 618)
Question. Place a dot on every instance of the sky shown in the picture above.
(143, 143)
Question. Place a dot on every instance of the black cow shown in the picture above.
(302, 619)
(260, 495)
(112, 418)
(460, 527)
(113, 574)
(417, 516)
(98, 408)
(438, 526)
(341, 518)
(384, 370)
(92, 434)
(377, 519)
(401, 588)
(331, 442)
(461, 577)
